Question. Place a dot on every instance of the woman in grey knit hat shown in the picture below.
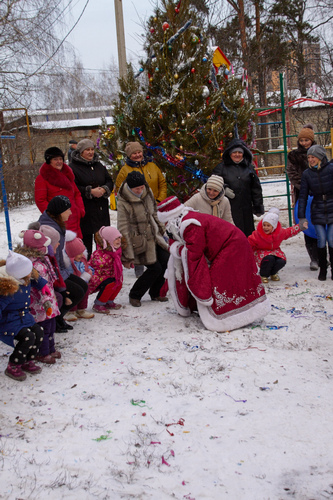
(95, 184)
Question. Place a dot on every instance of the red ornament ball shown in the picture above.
(148, 97)
(193, 70)
(165, 26)
(176, 10)
(152, 30)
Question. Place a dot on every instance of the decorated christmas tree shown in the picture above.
(182, 110)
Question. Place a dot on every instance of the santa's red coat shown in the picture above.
(215, 272)
(269, 244)
(52, 182)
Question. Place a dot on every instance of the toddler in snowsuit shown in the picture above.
(108, 270)
(17, 326)
(265, 242)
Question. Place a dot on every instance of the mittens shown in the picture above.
(302, 225)
(229, 193)
(48, 307)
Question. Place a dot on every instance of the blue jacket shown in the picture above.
(15, 305)
(319, 183)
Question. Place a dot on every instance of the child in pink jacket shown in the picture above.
(265, 242)
(108, 276)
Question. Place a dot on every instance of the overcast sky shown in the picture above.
(95, 35)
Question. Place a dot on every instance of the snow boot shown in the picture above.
(322, 256)
(30, 367)
(330, 250)
(15, 372)
(83, 313)
(312, 249)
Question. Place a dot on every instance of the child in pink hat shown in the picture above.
(44, 308)
(108, 270)
(75, 258)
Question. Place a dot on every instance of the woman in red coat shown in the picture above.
(56, 178)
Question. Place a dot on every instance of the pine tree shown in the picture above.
(176, 105)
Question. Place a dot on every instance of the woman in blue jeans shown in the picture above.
(318, 180)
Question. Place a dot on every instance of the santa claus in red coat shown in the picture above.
(211, 269)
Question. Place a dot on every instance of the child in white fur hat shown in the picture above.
(265, 242)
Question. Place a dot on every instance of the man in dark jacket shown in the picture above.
(240, 177)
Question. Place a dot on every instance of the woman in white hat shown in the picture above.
(211, 199)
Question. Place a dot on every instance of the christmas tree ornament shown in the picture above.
(151, 79)
(181, 147)
(176, 76)
(205, 92)
(152, 30)
(183, 122)
(155, 19)
(165, 26)
(148, 97)
(157, 70)
(176, 10)
(183, 45)
(193, 70)
(141, 70)
(169, 48)
(195, 39)
(204, 59)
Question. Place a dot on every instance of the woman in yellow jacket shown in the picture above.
(152, 173)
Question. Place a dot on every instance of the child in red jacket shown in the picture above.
(265, 242)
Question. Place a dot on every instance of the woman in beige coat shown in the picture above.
(145, 245)
(211, 199)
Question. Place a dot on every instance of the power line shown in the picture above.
(63, 40)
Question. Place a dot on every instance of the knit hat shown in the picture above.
(317, 151)
(238, 149)
(169, 209)
(73, 246)
(135, 179)
(215, 182)
(133, 147)
(306, 132)
(108, 235)
(58, 205)
(18, 265)
(272, 217)
(53, 153)
(84, 144)
(51, 233)
(35, 239)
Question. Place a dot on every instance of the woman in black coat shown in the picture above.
(95, 185)
(240, 176)
(296, 164)
(318, 179)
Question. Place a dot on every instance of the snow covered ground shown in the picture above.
(145, 404)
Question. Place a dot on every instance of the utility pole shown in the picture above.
(118, 7)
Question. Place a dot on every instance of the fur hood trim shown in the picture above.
(8, 284)
(63, 178)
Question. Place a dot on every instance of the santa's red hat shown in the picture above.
(169, 209)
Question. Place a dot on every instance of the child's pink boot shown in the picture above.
(101, 309)
(112, 305)
(15, 372)
(30, 367)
